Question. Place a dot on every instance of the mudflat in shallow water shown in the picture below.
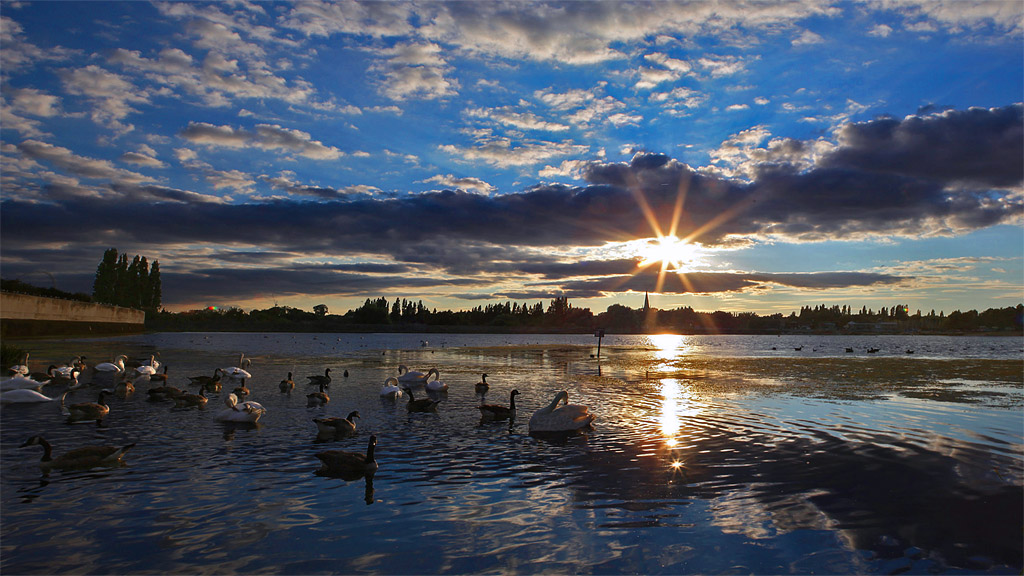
(708, 455)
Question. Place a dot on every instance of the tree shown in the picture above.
(155, 291)
(134, 285)
(320, 310)
(104, 286)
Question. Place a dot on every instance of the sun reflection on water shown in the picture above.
(670, 346)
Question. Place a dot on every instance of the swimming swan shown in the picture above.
(499, 412)
(111, 367)
(84, 457)
(554, 418)
(435, 385)
(238, 372)
(349, 465)
(246, 412)
(405, 376)
(21, 383)
(390, 389)
(24, 396)
(20, 369)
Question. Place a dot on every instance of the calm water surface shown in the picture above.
(716, 455)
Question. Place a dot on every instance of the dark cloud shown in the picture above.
(943, 173)
(978, 146)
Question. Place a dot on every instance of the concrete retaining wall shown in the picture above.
(24, 315)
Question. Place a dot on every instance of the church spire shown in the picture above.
(647, 302)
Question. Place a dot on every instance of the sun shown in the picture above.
(674, 254)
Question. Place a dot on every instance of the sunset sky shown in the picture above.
(741, 156)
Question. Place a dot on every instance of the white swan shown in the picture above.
(406, 376)
(555, 418)
(390, 389)
(114, 367)
(246, 412)
(238, 372)
(21, 383)
(23, 396)
(20, 369)
(435, 385)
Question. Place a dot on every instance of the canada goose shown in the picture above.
(499, 412)
(188, 400)
(205, 380)
(41, 376)
(435, 385)
(85, 411)
(24, 396)
(349, 465)
(241, 391)
(421, 405)
(390, 389)
(124, 388)
(84, 457)
(287, 385)
(553, 418)
(318, 380)
(246, 412)
(405, 376)
(337, 427)
(317, 398)
(482, 385)
(164, 393)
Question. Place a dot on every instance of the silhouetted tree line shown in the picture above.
(23, 288)
(560, 315)
(132, 285)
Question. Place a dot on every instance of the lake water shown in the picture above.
(710, 454)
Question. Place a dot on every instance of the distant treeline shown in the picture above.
(23, 288)
(402, 315)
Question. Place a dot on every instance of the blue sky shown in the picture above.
(463, 153)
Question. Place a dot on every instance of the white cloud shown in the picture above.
(880, 31)
(414, 71)
(521, 120)
(265, 137)
(807, 38)
(464, 183)
(141, 159)
(567, 169)
(112, 95)
(737, 107)
(504, 153)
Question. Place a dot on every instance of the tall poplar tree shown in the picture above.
(135, 285)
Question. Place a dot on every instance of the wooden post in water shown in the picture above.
(599, 334)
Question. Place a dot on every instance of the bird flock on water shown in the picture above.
(122, 378)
